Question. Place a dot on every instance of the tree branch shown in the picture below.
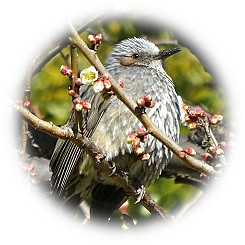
(121, 179)
(143, 118)
(51, 54)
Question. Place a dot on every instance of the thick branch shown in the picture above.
(143, 118)
(106, 167)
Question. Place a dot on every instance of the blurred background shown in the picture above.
(193, 82)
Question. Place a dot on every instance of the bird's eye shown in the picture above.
(135, 56)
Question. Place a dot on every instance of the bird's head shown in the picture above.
(138, 52)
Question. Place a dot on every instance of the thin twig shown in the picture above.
(26, 97)
(143, 118)
(51, 54)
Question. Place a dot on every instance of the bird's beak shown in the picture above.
(164, 54)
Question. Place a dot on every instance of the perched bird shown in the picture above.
(138, 63)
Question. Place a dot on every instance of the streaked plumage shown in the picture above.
(109, 123)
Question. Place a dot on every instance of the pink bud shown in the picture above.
(145, 157)
(219, 151)
(98, 86)
(65, 70)
(216, 119)
(141, 132)
(182, 154)
(184, 106)
(191, 151)
(200, 112)
(121, 84)
(72, 92)
(78, 106)
(107, 84)
(98, 37)
(133, 134)
(148, 98)
(207, 156)
(187, 118)
(192, 114)
(152, 104)
(212, 149)
(192, 126)
(138, 150)
(140, 102)
(27, 103)
(131, 137)
(92, 39)
(136, 141)
(86, 105)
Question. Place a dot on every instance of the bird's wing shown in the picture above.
(66, 154)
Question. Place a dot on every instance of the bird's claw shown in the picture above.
(140, 192)
(112, 168)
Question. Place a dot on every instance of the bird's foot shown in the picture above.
(140, 194)
(139, 191)
(112, 168)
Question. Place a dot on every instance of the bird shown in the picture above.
(137, 62)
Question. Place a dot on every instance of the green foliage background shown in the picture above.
(50, 99)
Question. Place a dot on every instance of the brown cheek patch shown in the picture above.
(127, 61)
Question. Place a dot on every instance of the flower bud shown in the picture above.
(148, 98)
(107, 84)
(145, 157)
(184, 106)
(141, 132)
(92, 39)
(72, 92)
(216, 119)
(131, 137)
(187, 118)
(78, 106)
(136, 141)
(121, 84)
(182, 154)
(200, 112)
(98, 86)
(140, 102)
(219, 151)
(27, 103)
(192, 126)
(86, 105)
(98, 37)
(152, 104)
(65, 70)
(191, 151)
(138, 150)
(207, 156)
(212, 149)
